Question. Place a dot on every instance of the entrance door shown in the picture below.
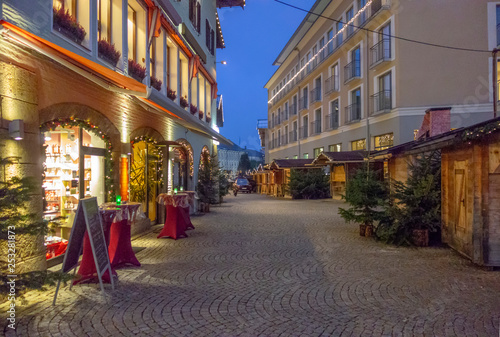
(460, 195)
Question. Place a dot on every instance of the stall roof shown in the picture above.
(340, 157)
(290, 163)
(464, 134)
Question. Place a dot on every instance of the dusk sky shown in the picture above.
(254, 37)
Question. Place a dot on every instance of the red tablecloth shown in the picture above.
(177, 218)
(116, 221)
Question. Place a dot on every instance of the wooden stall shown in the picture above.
(470, 186)
(280, 175)
(342, 166)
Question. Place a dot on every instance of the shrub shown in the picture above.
(136, 70)
(367, 194)
(68, 25)
(417, 202)
(171, 94)
(108, 52)
(309, 184)
(156, 83)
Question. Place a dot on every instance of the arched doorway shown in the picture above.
(146, 177)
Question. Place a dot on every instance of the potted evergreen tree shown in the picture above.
(367, 194)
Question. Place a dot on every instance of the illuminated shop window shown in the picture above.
(359, 144)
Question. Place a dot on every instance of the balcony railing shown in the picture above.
(276, 121)
(284, 115)
(352, 70)
(381, 51)
(292, 136)
(316, 127)
(284, 139)
(352, 113)
(304, 132)
(302, 103)
(332, 84)
(381, 102)
(316, 95)
(332, 121)
(293, 109)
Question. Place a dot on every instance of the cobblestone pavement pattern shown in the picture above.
(259, 266)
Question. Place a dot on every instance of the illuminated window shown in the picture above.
(335, 148)
(77, 27)
(306, 155)
(384, 141)
(132, 33)
(104, 20)
(359, 144)
(318, 150)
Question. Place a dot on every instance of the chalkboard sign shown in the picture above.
(87, 218)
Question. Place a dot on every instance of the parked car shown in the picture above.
(243, 185)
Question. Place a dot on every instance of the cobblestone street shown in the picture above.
(259, 266)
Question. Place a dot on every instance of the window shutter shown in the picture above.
(198, 15)
(212, 41)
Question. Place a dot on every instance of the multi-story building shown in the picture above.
(360, 74)
(229, 158)
(105, 98)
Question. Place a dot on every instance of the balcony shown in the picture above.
(315, 95)
(316, 127)
(284, 115)
(293, 109)
(381, 102)
(332, 121)
(380, 52)
(352, 71)
(302, 103)
(303, 132)
(332, 84)
(292, 136)
(276, 121)
(353, 113)
(284, 140)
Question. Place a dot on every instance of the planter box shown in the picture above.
(67, 33)
(107, 59)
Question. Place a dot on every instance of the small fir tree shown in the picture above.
(366, 193)
(244, 165)
(309, 184)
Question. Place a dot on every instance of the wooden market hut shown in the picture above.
(342, 165)
(279, 175)
(260, 175)
(470, 186)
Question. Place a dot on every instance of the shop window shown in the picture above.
(384, 141)
(74, 169)
(145, 176)
(359, 144)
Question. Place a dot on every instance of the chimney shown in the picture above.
(436, 121)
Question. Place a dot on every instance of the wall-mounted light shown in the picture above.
(16, 129)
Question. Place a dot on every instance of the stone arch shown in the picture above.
(85, 113)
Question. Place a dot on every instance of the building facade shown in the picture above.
(106, 98)
(360, 74)
(229, 158)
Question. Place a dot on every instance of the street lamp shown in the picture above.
(222, 62)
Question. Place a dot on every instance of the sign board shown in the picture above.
(87, 219)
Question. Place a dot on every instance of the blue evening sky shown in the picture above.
(254, 38)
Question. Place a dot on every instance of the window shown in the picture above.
(362, 15)
(304, 99)
(332, 83)
(349, 15)
(308, 57)
(317, 121)
(295, 157)
(80, 12)
(195, 14)
(322, 50)
(317, 84)
(306, 155)
(498, 24)
(104, 20)
(353, 69)
(384, 141)
(317, 151)
(132, 33)
(359, 144)
(335, 148)
(333, 117)
(279, 137)
(382, 50)
(330, 41)
(315, 58)
(209, 37)
(353, 111)
(305, 125)
(383, 99)
(340, 34)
